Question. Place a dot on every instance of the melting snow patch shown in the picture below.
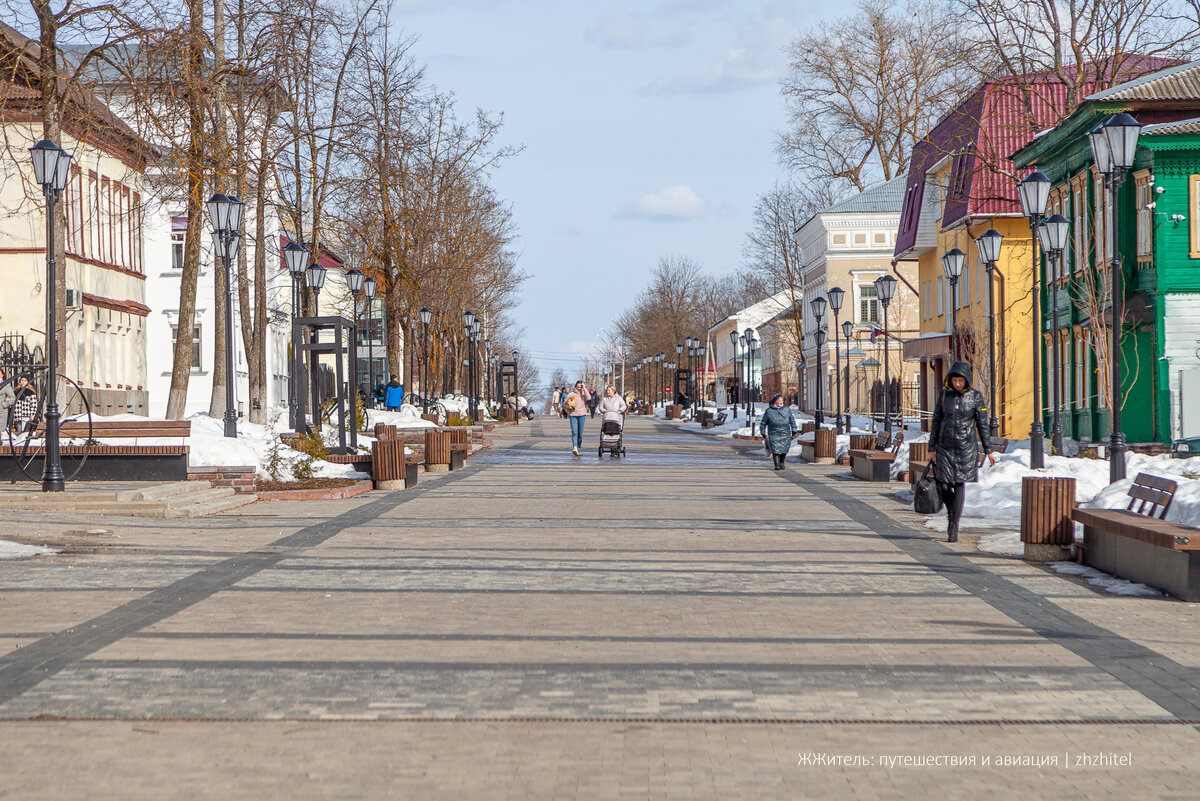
(1007, 543)
(17, 550)
(1116, 586)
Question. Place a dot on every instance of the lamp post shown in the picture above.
(847, 331)
(426, 317)
(885, 288)
(1114, 145)
(662, 379)
(516, 383)
(751, 348)
(988, 243)
(476, 338)
(743, 392)
(487, 370)
(952, 265)
(735, 373)
(354, 282)
(836, 295)
(369, 287)
(468, 329)
(1034, 193)
(295, 256)
(51, 168)
(1053, 233)
(314, 276)
(818, 309)
(226, 215)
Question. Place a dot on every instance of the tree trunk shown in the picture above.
(181, 369)
(221, 271)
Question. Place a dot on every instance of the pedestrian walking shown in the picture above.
(394, 395)
(556, 398)
(612, 406)
(593, 401)
(960, 415)
(777, 427)
(576, 409)
(25, 406)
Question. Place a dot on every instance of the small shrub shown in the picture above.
(312, 445)
(456, 419)
(302, 468)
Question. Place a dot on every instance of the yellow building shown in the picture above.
(960, 186)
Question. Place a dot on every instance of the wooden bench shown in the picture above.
(876, 464)
(110, 462)
(712, 422)
(1137, 544)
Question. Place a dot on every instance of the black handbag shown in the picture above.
(926, 498)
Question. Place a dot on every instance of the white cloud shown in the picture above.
(625, 31)
(671, 203)
(737, 69)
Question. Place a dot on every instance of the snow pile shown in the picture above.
(408, 417)
(1117, 586)
(17, 550)
(210, 447)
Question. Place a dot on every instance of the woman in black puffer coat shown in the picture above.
(959, 415)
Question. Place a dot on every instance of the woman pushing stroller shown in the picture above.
(612, 408)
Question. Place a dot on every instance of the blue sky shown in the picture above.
(648, 127)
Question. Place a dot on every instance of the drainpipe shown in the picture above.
(1002, 308)
(905, 280)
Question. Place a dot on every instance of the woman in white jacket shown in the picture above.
(612, 406)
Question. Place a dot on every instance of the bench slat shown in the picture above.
(1138, 527)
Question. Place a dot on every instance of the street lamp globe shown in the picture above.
(1101, 154)
(426, 316)
(836, 295)
(369, 287)
(820, 337)
(354, 280)
(468, 318)
(885, 288)
(220, 208)
(487, 345)
(742, 341)
(988, 245)
(515, 354)
(1122, 132)
(733, 337)
(315, 276)
(295, 256)
(818, 306)
(952, 264)
(1053, 233)
(679, 348)
(847, 329)
(50, 165)
(237, 209)
(1034, 193)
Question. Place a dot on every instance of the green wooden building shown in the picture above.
(1157, 235)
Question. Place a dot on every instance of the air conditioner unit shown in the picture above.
(74, 299)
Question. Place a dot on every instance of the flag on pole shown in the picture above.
(875, 332)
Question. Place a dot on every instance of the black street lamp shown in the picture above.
(369, 287)
(662, 379)
(818, 309)
(836, 295)
(953, 261)
(476, 338)
(354, 282)
(226, 215)
(988, 243)
(51, 168)
(295, 256)
(314, 275)
(426, 317)
(1114, 144)
(751, 350)
(487, 369)
(468, 329)
(743, 390)
(847, 332)
(735, 373)
(1034, 193)
(1053, 233)
(885, 288)
(516, 383)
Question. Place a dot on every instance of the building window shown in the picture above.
(196, 364)
(1145, 217)
(941, 295)
(964, 291)
(1194, 213)
(868, 304)
(177, 239)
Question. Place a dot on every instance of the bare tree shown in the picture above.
(862, 90)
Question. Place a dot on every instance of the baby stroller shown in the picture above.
(611, 428)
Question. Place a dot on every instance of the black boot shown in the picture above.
(782, 458)
(952, 532)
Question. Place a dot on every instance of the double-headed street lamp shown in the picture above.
(469, 330)
(885, 288)
(1053, 233)
(818, 309)
(662, 379)
(751, 342)
(988, 244)
(836, 296)
(226, 212)
(1114, 145)
(953, 261)
(1034, 193)
(51, 168)
(487, 370)
(734, 372)
(314, 276)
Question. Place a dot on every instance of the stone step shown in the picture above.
(213, 507)
(159, 491)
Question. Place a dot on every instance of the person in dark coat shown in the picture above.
(959, 427)
(777, 427)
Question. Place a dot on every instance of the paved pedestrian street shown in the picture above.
(681, 623)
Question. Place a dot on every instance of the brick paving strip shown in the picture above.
(680, 624)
